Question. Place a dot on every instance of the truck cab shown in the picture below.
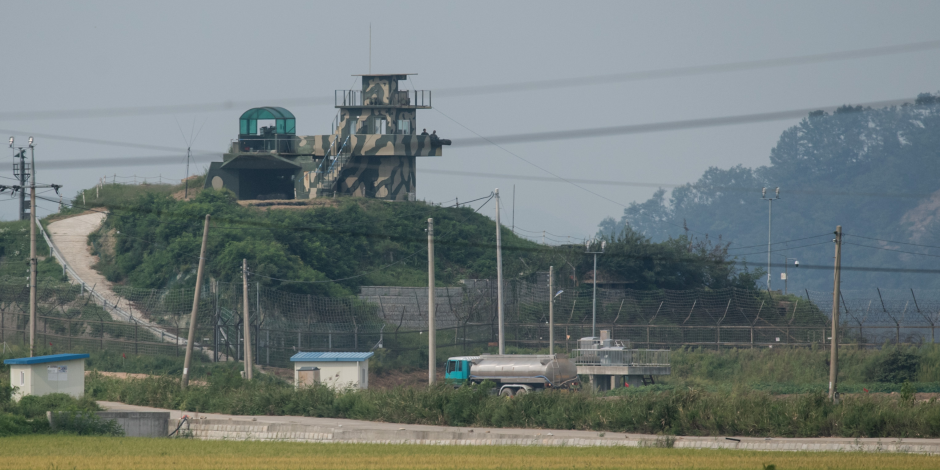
(457, 370)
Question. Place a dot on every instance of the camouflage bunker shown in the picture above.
(371, 151)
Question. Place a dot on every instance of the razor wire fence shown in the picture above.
(156, 321)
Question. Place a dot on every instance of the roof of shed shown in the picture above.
(44, 359)
(331, 356)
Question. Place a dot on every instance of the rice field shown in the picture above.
(72, 452)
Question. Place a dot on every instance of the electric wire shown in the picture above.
(893, 250)
(891, 241)
(777, 243)
(415, 253)
(476, 90)
(789, 248)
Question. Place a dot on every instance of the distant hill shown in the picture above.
(876, 172)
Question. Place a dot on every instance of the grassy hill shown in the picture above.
(151, 239)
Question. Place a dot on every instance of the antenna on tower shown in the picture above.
(189, 146)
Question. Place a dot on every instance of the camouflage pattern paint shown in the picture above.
(364, 163)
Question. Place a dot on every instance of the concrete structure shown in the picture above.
(213, 426)
(140, 423)
(338, 370)
(612, 364)
(370, 153)
(42, 375)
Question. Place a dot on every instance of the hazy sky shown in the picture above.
(81, 55)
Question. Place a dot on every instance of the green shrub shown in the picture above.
(14, 425)
(895, 366)
(84, 423)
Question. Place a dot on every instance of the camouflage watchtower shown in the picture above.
(371, 151)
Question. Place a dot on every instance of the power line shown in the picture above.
(484, 139)
(896, 251)
(687, 71)
(785, 241)
(662, 126)
(415, 253)
(808, 191)
(642, 258)
(476, 90)
(789, 248)
(892, 241)
(85, 140)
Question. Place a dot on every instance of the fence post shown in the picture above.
(177, 338)
(68, 325)
(267, 344)
(102, 333)
(136, 339)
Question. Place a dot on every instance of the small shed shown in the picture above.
(338, 370)
(42, 375)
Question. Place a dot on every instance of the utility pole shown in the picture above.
(770, 211)
(33, 260)
(247, 334)
(499, 279)
(19, 171)
(834, 356)
(594, 282)
(432, 328)
(551, 310)
(32, 249)
(191, 338)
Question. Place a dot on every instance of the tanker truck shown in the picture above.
(515, 374)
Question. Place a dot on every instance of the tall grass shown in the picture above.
(804, 365)
(681, 411)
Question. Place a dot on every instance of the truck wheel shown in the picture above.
(521, 391)
(506, 392)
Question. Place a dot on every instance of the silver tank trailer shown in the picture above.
(534, 370)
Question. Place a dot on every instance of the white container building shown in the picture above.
(337, 370)
(42, 375)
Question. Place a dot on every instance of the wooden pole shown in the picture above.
(192, 317)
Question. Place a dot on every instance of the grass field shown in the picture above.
(64, 452)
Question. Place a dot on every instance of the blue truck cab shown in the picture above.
(457, 370)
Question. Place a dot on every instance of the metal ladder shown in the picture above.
(326, 178)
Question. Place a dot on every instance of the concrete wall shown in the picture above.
(48, 377)
(237, 430)
(339, 375)
(140, 423)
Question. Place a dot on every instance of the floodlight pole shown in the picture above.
(432, 327)
(594, 282)
(770, 211)
(192, 317)
(499, 279)
(249, 365)
(834, 353)
(551, 310)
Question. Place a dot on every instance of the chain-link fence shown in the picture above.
(156, 321)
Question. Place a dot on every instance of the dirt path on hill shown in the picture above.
(70, 236)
